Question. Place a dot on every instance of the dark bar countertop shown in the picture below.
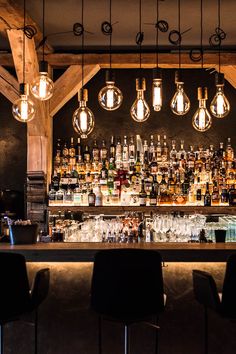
(84, 252)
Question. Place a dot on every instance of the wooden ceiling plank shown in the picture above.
(69, 84)
(9, 86)
(13, 14)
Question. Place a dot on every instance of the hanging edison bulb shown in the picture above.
(180, 103)
(156, 90)
(83, 118)
(202, 120)
(220, 106)
(140, 110)
(42, 87)
(23, 109)
(110, 97)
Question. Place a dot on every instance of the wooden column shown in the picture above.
(39, 130)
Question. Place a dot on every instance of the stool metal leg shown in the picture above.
(126, 339)
(206, 331)
(1, 340)
(99, 334)
(156, 344)
(36, 332)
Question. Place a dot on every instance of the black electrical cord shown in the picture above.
(24, 42)
(219, 24)
(179, 34)
(157, 34)
(140, 35)
(43, 28)
(82, 21)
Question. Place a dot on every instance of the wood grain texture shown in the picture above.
(69, 84)
(13, 14)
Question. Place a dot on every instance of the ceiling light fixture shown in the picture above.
(202, 120)
(180, 103)
(42, 87)
(157, 79)
(23, 109)
(110, 97)
(140, 110)
(220, 106)
(83, 118)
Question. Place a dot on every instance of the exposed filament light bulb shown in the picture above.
(110, 97)
(23, 109)
(202, 120)
(140, 110)
(180, 103)
(83, 118)
(157, 90)
(42, 87)
(220, 106)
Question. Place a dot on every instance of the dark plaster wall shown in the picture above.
(13, 149)
(119, 122)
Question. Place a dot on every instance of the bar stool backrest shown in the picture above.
(229, 288)
(127, 284)
(14, 290)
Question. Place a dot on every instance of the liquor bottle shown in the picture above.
(153, 196)
(173, 151)
(95, 151)
(221, 152)
(158, 149)
(86, 154)
(91, 198)
(103, 151)
(72, 148)
(181, 155)
(79, 150)
(104, 174)
(207, 196)
(59, 197)
(132, 147)
(198, 192)
(112, 149)
(138, 163)
(125, 154)
(118, 154)
(55, 181)
(51, 195)
(229, 151)
(99, 197)
(215, 197)
(65, 151)
(152, 150)
(165, 151)
(232, 196)
(224, 196)
(142, 196)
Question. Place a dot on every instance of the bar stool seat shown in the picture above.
(16, 298)
(127, 286)
(205, 291)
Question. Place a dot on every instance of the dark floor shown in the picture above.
(68, 327)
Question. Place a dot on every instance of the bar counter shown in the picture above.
(84, 252)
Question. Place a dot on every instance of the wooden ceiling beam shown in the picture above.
(13, 16)
(230, 74)
(166, 60)
(69, 84)
(9, 86)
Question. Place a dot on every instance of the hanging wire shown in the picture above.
(140, 31)
(110, 37)
(219, 24)
(43, 28)
(201, 35)
(157, 34)
(179, 32)
(82, 20)
(23, 34)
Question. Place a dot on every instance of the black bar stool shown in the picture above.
(206, 294)
(16, 298)
(127, 286)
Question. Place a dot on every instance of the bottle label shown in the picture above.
(153, 201)
(91, 199)
(72, 180)
(142, 201)
(64, 180)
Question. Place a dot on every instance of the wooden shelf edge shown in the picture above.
(230, 210)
